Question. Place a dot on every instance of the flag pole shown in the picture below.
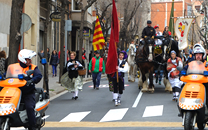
(117, 65)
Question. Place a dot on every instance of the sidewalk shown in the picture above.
(56, 88)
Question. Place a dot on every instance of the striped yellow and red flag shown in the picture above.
(98, 39)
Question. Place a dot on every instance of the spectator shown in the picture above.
(97, 67)
(54, 62)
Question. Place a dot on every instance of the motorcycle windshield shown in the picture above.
(196, 67)
(13, 70)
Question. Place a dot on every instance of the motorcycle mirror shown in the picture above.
(179, 68)
(29, 72)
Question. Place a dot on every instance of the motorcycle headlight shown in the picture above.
(187, 101)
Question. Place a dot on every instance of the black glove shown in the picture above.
(29, 82)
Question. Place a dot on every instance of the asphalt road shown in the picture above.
(94, 109)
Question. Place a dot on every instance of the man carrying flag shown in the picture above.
(97, 65)
(112, 67)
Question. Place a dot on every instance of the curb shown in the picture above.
(55, 93)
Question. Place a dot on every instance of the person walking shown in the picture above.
(118, 87)
(54, 62)
(173, 74)
(96, 67)
(75, 82)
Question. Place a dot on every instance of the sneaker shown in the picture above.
(119, 102)
(174, 98)
(159, 82)
(116, 103)
(76, 98)
(97, 88)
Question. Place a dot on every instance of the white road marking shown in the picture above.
(137, 99)
(46, 116)
(20, 128)
(75, 117)
(106, 86)
(114, 114)
(153, 111)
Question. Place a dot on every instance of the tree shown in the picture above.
(15, 35)
(63, 6)
(46, 23)
(128, 16)
(83, 10)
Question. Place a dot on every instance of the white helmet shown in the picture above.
(198, 48)
(25, 54)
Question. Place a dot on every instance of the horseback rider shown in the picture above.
(148, 31)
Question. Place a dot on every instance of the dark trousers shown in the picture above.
(29, 101)
(118, 87)
(96, 78)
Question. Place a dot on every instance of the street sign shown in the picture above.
(56, 16)
(68, 25)
(26, 23)
(86, 33)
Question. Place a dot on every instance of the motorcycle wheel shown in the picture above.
(2, 122)
(201, 125)
(188, 123)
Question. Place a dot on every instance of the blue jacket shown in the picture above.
(37, 76)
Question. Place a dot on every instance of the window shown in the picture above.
(75, 5)
(189, 10)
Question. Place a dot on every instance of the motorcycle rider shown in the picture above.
(199, 55)
(28, 91)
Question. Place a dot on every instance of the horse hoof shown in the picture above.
(144, 90)
(151, 90)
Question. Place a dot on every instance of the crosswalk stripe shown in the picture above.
(75, 117)
(114, 114)
(20, 128)
(137, 99)
(153, 111)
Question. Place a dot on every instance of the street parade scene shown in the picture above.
(103, 64)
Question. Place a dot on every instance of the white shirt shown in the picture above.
(125, 69)
(158, 41)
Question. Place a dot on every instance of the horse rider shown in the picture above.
(148, 31)
(158, 33)
(132, 42)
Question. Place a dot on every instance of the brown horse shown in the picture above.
(144, 60)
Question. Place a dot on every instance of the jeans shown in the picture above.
(54, 69)
(159, 73)
(96, 78)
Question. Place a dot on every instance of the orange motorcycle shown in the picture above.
(12, 110)
(192, 100)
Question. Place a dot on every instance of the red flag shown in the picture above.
(112, 60)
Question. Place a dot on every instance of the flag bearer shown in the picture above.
(118, 87)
